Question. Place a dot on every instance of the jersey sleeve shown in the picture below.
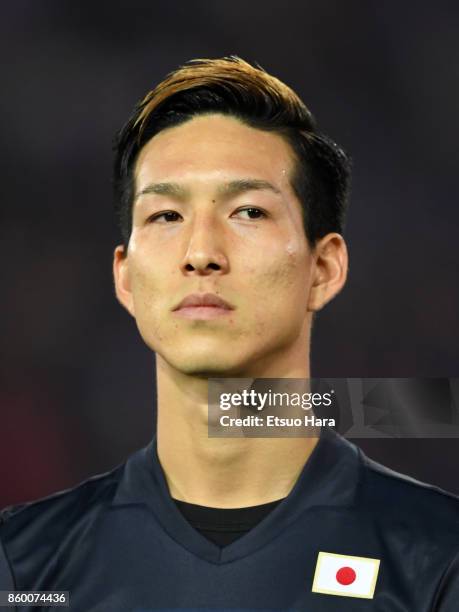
(6, 578)
(447, 599)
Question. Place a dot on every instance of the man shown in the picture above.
(231, 206)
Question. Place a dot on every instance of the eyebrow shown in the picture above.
(167, 189)
(234, 188)
(227, 190)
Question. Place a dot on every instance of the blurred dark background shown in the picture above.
(77, 384)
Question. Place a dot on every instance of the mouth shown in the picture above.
(203, 307)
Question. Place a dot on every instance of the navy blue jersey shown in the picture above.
(351, 536)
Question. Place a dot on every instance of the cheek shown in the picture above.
(282, 274)
(149, 270)
(146, 289)
(279, 290)
(152, 279)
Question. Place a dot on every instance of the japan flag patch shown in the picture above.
(345, 576)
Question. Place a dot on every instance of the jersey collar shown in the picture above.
(329, 478)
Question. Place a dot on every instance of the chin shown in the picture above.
(205, 365)
(205, 369)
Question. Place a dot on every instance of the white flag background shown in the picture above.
(345, 575)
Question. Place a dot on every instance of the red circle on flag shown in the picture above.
(346, 575)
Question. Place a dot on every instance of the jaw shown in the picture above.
(229, 360)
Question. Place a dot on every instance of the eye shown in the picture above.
(168, 216)
(253, 213)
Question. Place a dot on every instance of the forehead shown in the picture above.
(217, 146)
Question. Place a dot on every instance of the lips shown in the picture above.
(209, 300)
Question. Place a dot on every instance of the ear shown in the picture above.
(330, 270)
(122, 279)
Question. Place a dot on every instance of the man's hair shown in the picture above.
(231, 86)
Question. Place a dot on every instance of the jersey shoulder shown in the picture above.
(41, 525)
(395, 496)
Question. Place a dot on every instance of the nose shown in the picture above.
(205, 253)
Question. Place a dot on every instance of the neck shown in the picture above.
(221, 472)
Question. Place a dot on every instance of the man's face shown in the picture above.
(206, 174)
